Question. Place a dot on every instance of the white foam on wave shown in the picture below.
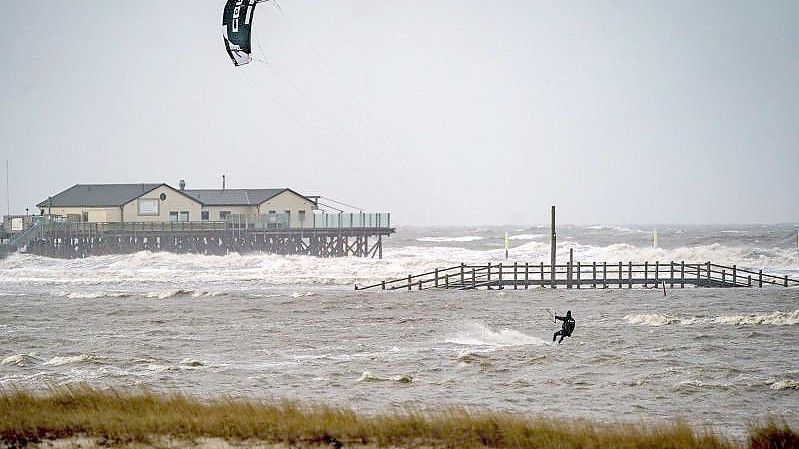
(526, 237)
(109, 275)
(465, 238)
(170, 293)
(58, 361)
(20, 359)
(772, 319)
(91, 294)
(783, 384)
(477, 334)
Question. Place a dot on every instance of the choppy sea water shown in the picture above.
(292, 327)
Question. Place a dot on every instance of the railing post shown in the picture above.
(409, 282)
(604, 275)
(646, 273)
(708, 270)
(593, 273)
(629, 275)
(446, 281)
(436, 281)
(786, 280)
(474, 280)
(489, 276)
(657, 273)
(515, 275)
(541, 267)
(682, 274)
(735, 275)
(526, 275)
(383, 285)
(621, 270)
(760, 279)
(463, 266)
(579, 269)
(749, 281)
(671, 266)
(501, 285)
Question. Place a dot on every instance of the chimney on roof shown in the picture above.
(182, 184)
(223, 182)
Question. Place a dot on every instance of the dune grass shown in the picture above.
(117, 418)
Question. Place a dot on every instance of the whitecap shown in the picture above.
(477, 334)
(466, 238)
(58, 361)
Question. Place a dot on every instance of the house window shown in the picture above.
(173, 215)
(204, 215)
(224, 214)
(148, 206)
(184, 216)
(302, 215)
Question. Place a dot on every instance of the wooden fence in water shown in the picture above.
(581, 275)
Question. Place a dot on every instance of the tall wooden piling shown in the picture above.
(553, 249)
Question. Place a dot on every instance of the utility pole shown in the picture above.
(552, 251)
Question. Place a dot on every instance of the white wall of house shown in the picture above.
(289, 201)
(92, 214)
(173, 201)
(213, 211)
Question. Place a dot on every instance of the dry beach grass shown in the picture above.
(87, 417)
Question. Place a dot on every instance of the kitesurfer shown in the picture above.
(567, 329)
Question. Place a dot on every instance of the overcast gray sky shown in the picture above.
(441, 112)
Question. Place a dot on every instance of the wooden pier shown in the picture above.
(80, 239)
(593, 275)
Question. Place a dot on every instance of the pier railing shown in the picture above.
(585, 275)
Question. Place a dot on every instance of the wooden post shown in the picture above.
(409, 282)
(735, 275)
(436, 278)
(553, 249)
(671, 266)
(604, 275)
(474, 280)
(646, 273)
(593, 273)
(446, 281)
(629, 275)
(786, 280)
(515, 275)
(579, 269)
(657, 273)
(708, 270)
(383, 285)
(569, 268)
(488, 285)
(682, 274)
(501, 284)
(541, 267)
(463, 266)
(526, 275)
(620, 272)
(749, 281)
(760, 279)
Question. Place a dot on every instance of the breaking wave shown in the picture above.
(467, 238)
(58, 361)
(477, 334)
(776, 318)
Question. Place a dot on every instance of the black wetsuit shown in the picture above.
(566, 330)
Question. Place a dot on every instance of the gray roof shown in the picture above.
(233, 197)
(98, 195)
